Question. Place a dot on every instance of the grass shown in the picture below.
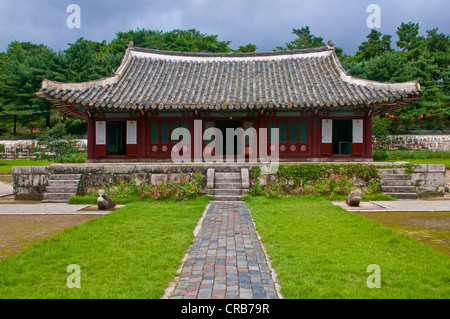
(414, 157)
(133, 252)
(7, 165)
(445, 161)
(365, 198)
(92, 200)
(322, 251)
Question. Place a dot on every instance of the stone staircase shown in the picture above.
(228, 183)
(60, 187)
(227, 186)
(395, 182)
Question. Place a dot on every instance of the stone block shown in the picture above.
(39, 170)
(120, 169)
(97, 180)
(210, 172)
(141, 178)
(262, 179)
(421, 168)
(436, 168)
(158, 177)
(245, 178)
(174, 177)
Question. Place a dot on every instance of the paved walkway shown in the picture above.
(46, 209)
(227, 259)
(403, 205)
(5, 189)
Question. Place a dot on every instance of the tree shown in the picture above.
(177, 40)
(22, 69)
(408, 36)
(87, 60)
(376, 44)
(56, 144)
(247, 48)
(305, 40)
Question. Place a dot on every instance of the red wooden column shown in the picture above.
(142, 137)
(315, 136)
(91, 138)
(368, 136)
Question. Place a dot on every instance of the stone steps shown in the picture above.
(227, 186)
(396, 183)
(61, 187)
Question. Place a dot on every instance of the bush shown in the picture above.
(55, 144)
(330, 186)
(329, 180)
(186, 187)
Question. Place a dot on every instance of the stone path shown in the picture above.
(403, 205)
(227, 259)
(46, 209)
(5, 189)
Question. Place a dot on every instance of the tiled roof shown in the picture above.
(152, 79)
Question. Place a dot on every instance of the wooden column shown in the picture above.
(91, 138)
(315, 136)
(368, 136)
(142, 137)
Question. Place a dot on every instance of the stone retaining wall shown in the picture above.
(31, 182)
(429, 178)
(420, 142)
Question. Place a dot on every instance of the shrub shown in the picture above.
(273, 190)
(56, 144)
(330, 186)
(329, 180)
(187, 186)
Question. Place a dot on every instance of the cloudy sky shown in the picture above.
(265, 23)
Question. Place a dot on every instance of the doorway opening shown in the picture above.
(222, 125)
(116, 137)
(342, 137)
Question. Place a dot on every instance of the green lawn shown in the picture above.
(445, 161)
(322, 251)
(7, 165)
(133, 252)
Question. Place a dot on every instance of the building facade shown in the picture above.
(321, 112)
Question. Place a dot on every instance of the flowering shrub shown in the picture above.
(333, 185)
(188, 186)
(273, 190)
(372, 186)
(183, 188)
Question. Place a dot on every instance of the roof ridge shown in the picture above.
(231, 54)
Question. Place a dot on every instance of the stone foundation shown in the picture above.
(31, 182)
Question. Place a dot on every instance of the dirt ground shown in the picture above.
(431, 228)
(18, 232)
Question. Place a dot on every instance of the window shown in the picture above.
(154, 132)
(164, 132)
(290, 131)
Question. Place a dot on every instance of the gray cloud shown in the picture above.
(265, 23)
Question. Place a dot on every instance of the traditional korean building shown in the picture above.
(322, 113)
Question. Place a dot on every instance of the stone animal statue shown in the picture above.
(104, 201)
(354, 198)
